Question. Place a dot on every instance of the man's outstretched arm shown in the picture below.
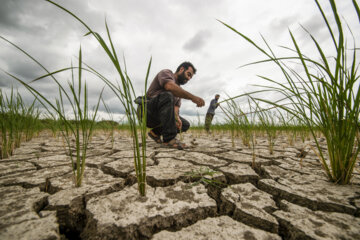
(179, 92)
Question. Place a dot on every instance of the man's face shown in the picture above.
(185, 75)
(217, 97)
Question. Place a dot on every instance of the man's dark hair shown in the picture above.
(186, 65)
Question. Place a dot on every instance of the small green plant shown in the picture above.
(18, 122)
(250, 121)
(125, 92)
(244, 122)
(325, 96)
(288, 123)
(31, 123)
(110, 125)
(267, 119)
(48, 122)
(9, 110)
(232, 117)
(203, 175)
(81, 127)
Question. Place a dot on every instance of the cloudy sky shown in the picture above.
(169, 31)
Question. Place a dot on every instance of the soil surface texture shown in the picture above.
(214, 189)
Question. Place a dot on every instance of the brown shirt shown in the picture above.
(158, 84)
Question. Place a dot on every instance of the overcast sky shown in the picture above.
(169, 31)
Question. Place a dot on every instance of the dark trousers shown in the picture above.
(208, 120)
(161, 116)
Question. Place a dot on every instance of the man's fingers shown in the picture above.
(199, 102)
(202, 102)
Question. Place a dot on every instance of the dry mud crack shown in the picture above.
(281, 196)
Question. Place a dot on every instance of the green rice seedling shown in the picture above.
(288, 123)
(30, 120)
(16, 133)
(237, 121)
(125, 92)
(203, 176)
(18, 122)
(199, 124)
(232, 120)
(325, 96)
(8, 111)
(3, 116)
(17, 125)
(267, 120)
(79, 129)
(240, 122)
(247, 127)
(14, 103)
(49, 123)
(181, 135)
(110, 126)
(251, 125)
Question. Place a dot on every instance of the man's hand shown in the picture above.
(179, 92)
(198, 101)
(178, 123)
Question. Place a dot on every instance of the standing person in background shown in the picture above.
(211, 112)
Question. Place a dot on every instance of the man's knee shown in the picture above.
(185, 125)
(167, 97)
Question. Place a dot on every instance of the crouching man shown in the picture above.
(164, 100)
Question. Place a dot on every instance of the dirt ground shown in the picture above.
(284, 195)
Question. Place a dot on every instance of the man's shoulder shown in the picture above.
(166, 71)
(166, 74)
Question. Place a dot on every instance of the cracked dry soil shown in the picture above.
(282, 196)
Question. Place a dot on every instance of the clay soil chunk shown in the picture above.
(11, 167)
(249, 205)
(306, 190)
(94, 183)
(287, 170)
(303, 223)
(302, 166)
(26, 150)
(34, 178)
(123, 145)
(127, 215)
(243, 158)
(123, 154)
(239, 173)
(98, 161)
(194, 157)
(122, 167)
(263, 152)
(19, 204)
(169, 171)
(45, 228)
(204, 145)
(70, 201)
(217, 228)
(52, 161)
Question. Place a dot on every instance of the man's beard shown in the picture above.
(181, 79)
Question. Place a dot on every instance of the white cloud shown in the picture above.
(169, 31)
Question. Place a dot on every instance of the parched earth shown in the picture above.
(284, 195)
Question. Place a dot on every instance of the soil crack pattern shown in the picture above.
(284, 195)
